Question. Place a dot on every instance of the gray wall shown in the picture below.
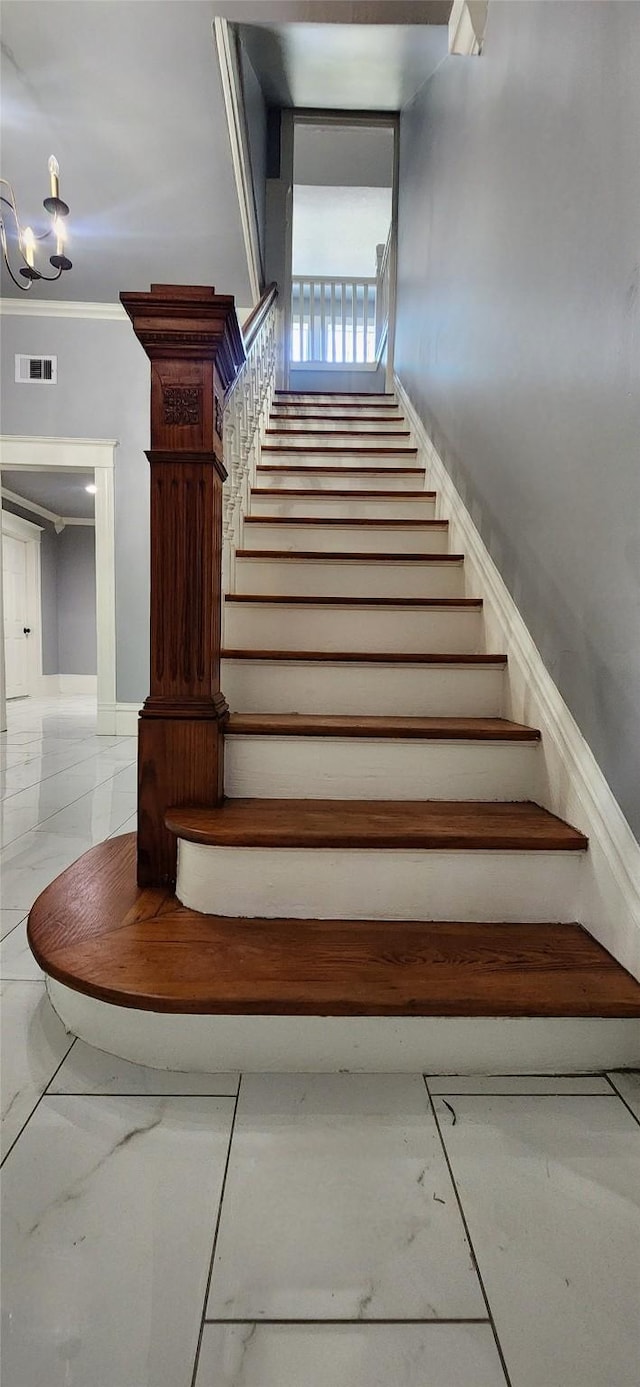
(49, 598)
(76, 587)
(102, 392)
(518, 310)
(350, 156)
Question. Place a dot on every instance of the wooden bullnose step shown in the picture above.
(426, 824)
(99, 933)
(345, 556)
(338, 725)
(429, 603)
(371, 657)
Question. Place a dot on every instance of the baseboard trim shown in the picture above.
(573, 784)
(126, 719)
(49, 685)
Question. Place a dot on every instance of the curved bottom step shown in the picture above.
(134, 973)
(355, 1044)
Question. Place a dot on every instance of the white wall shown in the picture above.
(336, 230)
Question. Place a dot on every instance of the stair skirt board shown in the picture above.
(280, 626)
(378, 884)
(296, 478)
(358, 1044)
(332, 505)
(403, 690)
(387, 538)
(286, 767)
(346, 578)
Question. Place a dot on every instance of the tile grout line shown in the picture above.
(468, 1237)
(37, 826)
(553, 1093)
(37, 1105)
(8, 936)
(215, 1237)
(361, 1322)
(61, 770)
(617, 1094)
(141, 1093)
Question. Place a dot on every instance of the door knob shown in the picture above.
(27, 630)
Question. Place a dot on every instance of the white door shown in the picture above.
(16, 616)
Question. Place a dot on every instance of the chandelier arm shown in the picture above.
(24, 288)
(10, 202)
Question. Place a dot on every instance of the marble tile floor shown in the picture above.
(174, 1230)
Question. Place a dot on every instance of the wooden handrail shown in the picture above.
(256, 318)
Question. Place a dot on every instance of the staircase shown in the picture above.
(379, 857)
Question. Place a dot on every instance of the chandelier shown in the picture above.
(28, 241)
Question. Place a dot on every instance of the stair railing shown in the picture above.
(333, 321)
(246, 413)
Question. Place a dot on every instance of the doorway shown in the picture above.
(83, 463)
(342, 252)
(21, 592)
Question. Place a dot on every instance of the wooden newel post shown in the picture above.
(193, 341)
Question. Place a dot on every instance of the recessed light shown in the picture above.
(91, 489)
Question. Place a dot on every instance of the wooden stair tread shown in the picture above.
(343, 725)
(430, 603)
(352, 495)
(96, 931)
(336, 432)
(344, 417)
(353, 520)
(341, 449)
(299, 471)
(345, 556)
(396, 824)
(373, 657)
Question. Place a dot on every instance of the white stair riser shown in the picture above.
(278, 686)
(383, 539)
(343, 508)
(321, 481)
(333, 456)
(331, 398)
(335, 426)
(362, 884)
(262, 627)
(352, 1044)
(306, 578)
(357, 768)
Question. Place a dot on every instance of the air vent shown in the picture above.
(41, 370)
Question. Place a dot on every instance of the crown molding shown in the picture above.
(61, 308)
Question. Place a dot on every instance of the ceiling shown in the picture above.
(61, 492)
(344, 67)
(128, 97)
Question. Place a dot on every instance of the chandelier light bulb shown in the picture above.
(29, 246)
(91, 489)
(54, 176)
(61, 234)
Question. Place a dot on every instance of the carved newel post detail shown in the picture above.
(194, 344)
